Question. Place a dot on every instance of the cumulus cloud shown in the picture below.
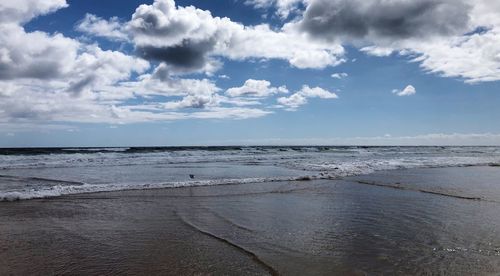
(61, 63)
(317, 92)
(293, 102)
(190, 39)
(382, 19)
(255, 88)
(300, 98)
(262, 42)
(56, 58)
(182, 37)
(451, 38)
(34, 55)
(408, 91)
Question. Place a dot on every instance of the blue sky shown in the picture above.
(101, 73)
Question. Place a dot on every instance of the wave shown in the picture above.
(338, 149)
(425, 191)
(255, 257)
(89, 150)
(315, 159)
(83, 188)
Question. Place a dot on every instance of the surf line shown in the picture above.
(398, 187)
(247, 252)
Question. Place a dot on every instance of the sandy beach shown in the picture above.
(420, 221)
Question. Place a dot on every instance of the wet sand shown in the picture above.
(423, 221)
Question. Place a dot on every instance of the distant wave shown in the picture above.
(90, 150)
(302, 158)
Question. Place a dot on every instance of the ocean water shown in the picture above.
(50, 172)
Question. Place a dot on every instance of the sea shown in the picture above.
(32, 173)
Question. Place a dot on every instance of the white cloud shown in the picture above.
(300, 98)
(262, 42)
(293, 102)
(317, 92)
(377, 51)
(474, 58)
(339, 75)
(16, 11)
(408, 91)
(255, 88)
(111, 28)
(283, 7)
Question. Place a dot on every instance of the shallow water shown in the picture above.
(345, 227)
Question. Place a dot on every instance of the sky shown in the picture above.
(249, 72)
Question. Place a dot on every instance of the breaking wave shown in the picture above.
(60, 190)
